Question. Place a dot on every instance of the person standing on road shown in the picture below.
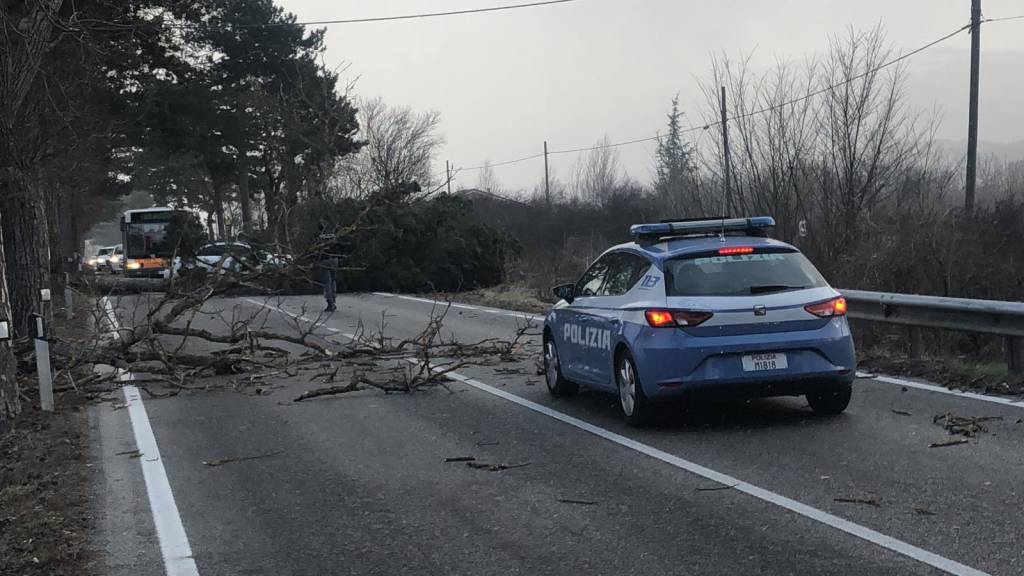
(328, 255)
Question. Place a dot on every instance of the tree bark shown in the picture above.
(26, 244)
(9, 403)
(243, 194)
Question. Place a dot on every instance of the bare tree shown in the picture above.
(487, 180)
(772, 139)
(400, 147)
(598, 173)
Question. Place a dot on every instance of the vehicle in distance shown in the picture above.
(147, 251)
(224, 257)
(701, 307)
(107, 259)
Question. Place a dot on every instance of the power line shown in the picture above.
(759, 111)
(406, 16)
(1004, 19)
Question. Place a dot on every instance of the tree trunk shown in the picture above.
(9, 403)
(26, 244)
(243, 195)
(218, 208)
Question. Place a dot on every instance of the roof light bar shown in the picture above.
(702, 226)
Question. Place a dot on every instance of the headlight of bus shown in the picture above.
(134, 265)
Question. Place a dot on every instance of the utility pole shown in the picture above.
(547, 181)
(728, 161)
(448, 171)
(972, 122)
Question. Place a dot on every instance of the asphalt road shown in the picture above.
(358, 484)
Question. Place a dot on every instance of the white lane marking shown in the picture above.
(852, 528)
(170, 531)
(174, 545)
(943, 390)
(499, 311)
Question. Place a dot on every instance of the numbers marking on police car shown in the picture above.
(588, 337)
(765, 361)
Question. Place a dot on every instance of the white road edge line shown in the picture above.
(942, 390)
(898, 546)
(174, 545)
(879, 378)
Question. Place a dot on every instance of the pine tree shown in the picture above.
(674, 171)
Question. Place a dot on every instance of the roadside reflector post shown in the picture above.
(43, 364)
(69, 298)
(1014, 355)
(916, 342)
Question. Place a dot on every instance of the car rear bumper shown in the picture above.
(672, 362)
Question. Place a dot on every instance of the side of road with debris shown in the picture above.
(44, 506)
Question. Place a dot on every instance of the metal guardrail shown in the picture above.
(963, 314)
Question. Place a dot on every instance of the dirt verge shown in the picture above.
(44, 491)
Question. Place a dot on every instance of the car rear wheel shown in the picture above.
(558, 386)
(832, 400)
(635, 406)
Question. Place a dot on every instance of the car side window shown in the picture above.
(592, 280)
(624, 272)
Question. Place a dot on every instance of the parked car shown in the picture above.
(223, 257)
(706, 307)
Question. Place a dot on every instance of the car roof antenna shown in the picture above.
(721, 236)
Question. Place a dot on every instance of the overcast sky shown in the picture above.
(571, 73)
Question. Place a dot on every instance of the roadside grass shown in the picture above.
(516, 296)
(958, 372)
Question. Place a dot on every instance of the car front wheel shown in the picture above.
(635, 406)
(558, 386)
(832, 400)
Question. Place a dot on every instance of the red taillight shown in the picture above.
(663, 318)
(736, 250)
(834, 307)
(660, 318)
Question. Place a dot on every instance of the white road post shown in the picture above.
(69, 298)
(43, 356)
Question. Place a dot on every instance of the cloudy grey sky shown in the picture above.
(572, 73)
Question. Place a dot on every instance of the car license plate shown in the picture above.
(764, 361)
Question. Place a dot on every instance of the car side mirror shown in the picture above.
(565, 292)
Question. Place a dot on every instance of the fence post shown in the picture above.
(916, 342)
(1014, 355)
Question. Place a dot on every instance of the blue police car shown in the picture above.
(708, 306)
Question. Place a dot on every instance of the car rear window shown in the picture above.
(741, 274)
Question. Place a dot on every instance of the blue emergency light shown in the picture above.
(702, 227)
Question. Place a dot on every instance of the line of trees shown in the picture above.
(830, 141)
(197, 101)
(222, 107)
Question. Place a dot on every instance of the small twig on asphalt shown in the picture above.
(901, 412)
(875, 501)
(580, 502)
(948, 443)
(923, 511)
(495, 467)
(129, 453)
(460, 459)
(223, 461)
(714, 488)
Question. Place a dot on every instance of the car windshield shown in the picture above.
(104, 252)
(741, 275)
